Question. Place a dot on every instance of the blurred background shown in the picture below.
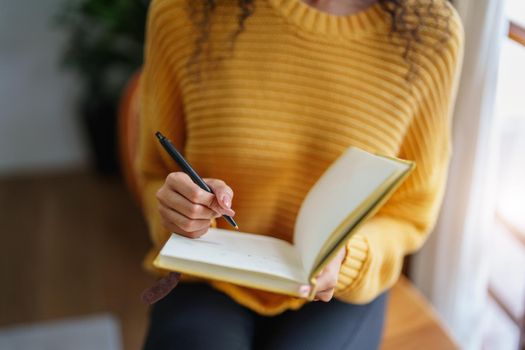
(71, 232)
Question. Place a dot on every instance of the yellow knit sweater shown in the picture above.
(268, 117)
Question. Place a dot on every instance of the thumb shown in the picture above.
(223, 196)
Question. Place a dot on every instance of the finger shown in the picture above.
(223, 192)
(181, 221)
(170, 226)
(304, 290)
(178, 202)
(194, 234)
(327, 279)
(325, 295)
(181, 183)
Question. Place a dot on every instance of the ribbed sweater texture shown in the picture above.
(269, 113)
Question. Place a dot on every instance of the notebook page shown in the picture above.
(239, 250)
(348, 182)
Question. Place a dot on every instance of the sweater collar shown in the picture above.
(314, 20)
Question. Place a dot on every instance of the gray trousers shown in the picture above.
(195, 316)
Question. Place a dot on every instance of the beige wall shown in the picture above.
(38, 126)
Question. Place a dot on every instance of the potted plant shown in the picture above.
(104, 48)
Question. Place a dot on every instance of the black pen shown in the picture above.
(186, 167)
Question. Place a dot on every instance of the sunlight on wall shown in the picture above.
(510, 111)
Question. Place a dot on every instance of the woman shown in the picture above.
(262, 96)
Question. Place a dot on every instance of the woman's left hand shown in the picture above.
(327, 279)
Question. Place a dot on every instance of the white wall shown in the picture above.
(38, 126)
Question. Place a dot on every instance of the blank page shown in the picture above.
(345, 185)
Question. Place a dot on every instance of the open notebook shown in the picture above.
(351, 190)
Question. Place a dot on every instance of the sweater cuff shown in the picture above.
(352, 265)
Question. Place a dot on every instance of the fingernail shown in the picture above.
(304, 290)
(227, 201)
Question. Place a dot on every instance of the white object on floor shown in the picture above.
(99, 332)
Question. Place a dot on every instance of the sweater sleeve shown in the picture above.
(160, 110)
(375, 253)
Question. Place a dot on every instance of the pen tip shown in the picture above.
(236, 227)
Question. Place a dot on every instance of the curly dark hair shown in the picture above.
(399, 11)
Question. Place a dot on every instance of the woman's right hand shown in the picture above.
(187, 209)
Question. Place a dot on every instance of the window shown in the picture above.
(506, 328)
